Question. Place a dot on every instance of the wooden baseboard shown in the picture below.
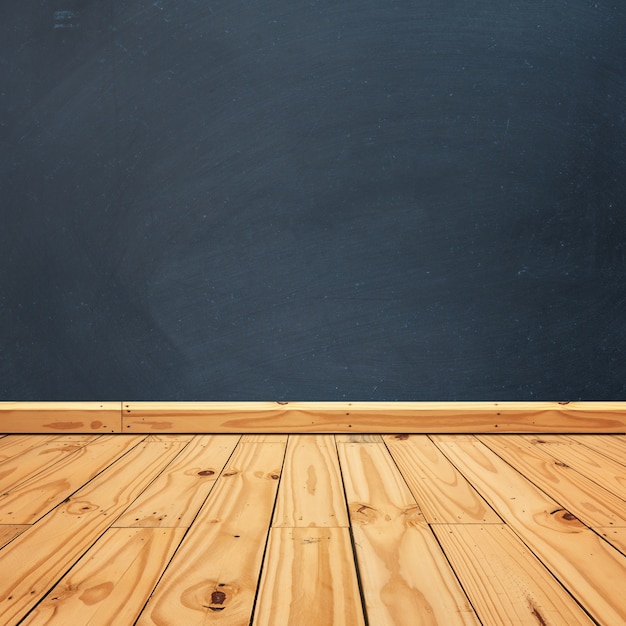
(60, 417)
(312, 417)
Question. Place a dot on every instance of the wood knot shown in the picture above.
(566, 516)
(206, 473)
(401, 437)
(231, 473)
(362, 513)
(412, 514)
(80, 508)
(209, 595)
(218, 597)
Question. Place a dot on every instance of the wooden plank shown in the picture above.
(310, 492)
(14, 445)
(111, 582)
(358, 438)
(59, 417)
(442, 492)
(166, 437)
(591, 503)
(36, 559)
(213, 577)
(615, 536)
(309, 578)
(264, 438)
(595, 466)
(405, 577)
(612, 447)
(174, 498)
(32, 461)
(32, 499)
(8, 532)
(592, 570)
(373, 417)
(505, 582)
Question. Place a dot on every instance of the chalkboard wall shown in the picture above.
(312, 200)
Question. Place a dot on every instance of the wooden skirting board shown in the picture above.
(312, 417)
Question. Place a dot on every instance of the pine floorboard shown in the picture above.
(313, 529)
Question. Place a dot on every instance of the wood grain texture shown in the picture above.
(610, 474)
(591, 503)
(442, 492)
(60, 417)
(169, 437)
(174, 498)
(588, 566)
(373, 417)
(38, 557)
(310, 492)
(505, 582)
(8, 532)
(31, 462)
(405, 576)
(615, 536)
(308, 579)
(213, 577)
(358, 438)
(110, 583)
(35, 497)
(17, 444)
(264, 438)
(612, 447)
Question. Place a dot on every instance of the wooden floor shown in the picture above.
(309, 530)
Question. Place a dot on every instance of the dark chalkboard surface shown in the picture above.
(313, 200)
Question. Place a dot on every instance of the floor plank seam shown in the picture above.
(456, 574)
(185, 534)
(550, 568)
(549, 492)
(577, 566)
(267, 536)
(353, 541)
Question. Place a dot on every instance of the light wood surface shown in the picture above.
(405, 577)
(611, 447)
(173, 529)
(444, 494)
(373, 417)
(553, 533)
(60, 417)
(32, 461)
(111, 581)
(309, 579)
(610, 474)
(34, 497)
(615, 536)
(349, 418)
(8, 532)
(504, 579)
(174, 498)
(584, 498)
(36, 559)
(310, 492)
(213, 577)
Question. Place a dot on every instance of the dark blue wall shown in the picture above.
(314, 200)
